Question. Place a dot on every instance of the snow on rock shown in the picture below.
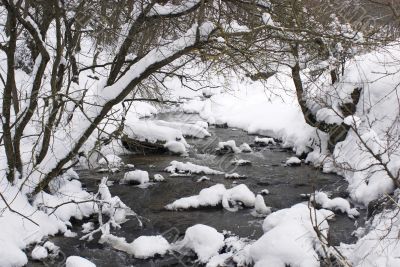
(149, 131)
(39, 253)
(264, 140)
(111, 161)
(238, 195)
(335, 204)
(188, 167)
(149, 246)
(228, 147)
(203, 179)
(136, 177)
(52, 248)
(142, 247)
(76, 261)
(187, 129)
(234, 176)
(158, 178)
(216, 195)
(203, 240)
(211, 196)
(293, 161)
(260, 207)
(289, 238)
(264, 192)
(176, 147)
(87, 227)
(245, 148)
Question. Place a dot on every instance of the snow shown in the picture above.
(187, 129)
(158, 178)
(111, 161)
(377, 246)
(266, 17)
(293, 161)
(230, 145)
(149, 246)
(188, 167)
(211, 196)
(176, 147)
(264, 192)
(234, 176)
(87, 227)
(337, 203)
(215, 195)
(245, 148)
(264, 140)
(203, 179)
(137, 176)
(289, 238)
(146, 130)
(238, 194)
(142, 247)
(39, 253)
(204, 240)
(260, 207)
(76, 261)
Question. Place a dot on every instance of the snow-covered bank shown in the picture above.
(50, 214)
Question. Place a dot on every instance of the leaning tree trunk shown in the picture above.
(336, 132)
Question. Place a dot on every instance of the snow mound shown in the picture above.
(176, 147)
(203, 240)
(149, 246)
(293, 161)
(337, 203)
(76, 261)
(216, 195)
(188, 167)
(149, 131)
(142, 247)
(211, 196)
(264, 141)
(228, 147)
(238, 195)
(245, 148)
(111, 161)
(260, 207)
(158, 178)
(289, 238)
(137, 177)
(39, 253)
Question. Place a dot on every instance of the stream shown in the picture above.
(285, 184)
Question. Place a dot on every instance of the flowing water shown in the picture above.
(285, 184)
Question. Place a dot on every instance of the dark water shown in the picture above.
(267, 171)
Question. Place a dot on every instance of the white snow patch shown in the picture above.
(188, 167)
(289, 238)
(334, 204)
(204, 240)
(136, 176)
(76, 261)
